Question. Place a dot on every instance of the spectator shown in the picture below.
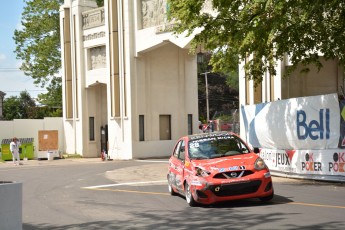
(14, 148)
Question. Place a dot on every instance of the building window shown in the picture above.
(92, 128)
(141, 128)
(190, 124)
(165, 127)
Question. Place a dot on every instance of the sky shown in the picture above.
(12, 80)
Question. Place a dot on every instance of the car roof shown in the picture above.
(212, 134)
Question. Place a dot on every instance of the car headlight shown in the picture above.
(201, 172)
(259, 164)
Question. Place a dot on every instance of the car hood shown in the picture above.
(224, 164)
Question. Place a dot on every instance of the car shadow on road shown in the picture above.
(248, 202)
(277, 199)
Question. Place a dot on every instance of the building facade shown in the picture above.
(129, 85)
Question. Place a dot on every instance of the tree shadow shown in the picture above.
(227, 215)
(208, 217)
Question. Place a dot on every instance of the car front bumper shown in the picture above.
(243, 188)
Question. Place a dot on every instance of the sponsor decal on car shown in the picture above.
(235, 168)
(195, 182)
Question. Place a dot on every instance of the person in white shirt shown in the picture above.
(14, 148)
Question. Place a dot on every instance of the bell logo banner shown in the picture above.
(297, 123)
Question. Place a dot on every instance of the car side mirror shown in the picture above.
(256, 150)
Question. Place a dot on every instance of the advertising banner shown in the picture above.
(297, 123)
(321, 163)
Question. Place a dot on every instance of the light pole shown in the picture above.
(200, 61)
(207, 106)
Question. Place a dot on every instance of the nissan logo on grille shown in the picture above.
(233, 174)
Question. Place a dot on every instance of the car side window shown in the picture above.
(243, 148)
(177, 150)
(182, 151)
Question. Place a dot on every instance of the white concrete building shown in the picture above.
(129, 85)
(328, 80)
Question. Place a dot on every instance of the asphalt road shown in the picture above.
(91, 194)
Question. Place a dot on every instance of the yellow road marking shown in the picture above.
(167, 194)
(314, 205)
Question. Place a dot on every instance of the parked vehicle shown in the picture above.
(213, 167)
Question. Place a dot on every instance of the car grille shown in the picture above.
(235, 189)
(232, 174)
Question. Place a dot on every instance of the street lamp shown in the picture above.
(200, 61)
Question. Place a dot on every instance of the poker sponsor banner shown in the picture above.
(322, 163)
(297, 123)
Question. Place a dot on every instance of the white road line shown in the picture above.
(128, 183)
(152, 161)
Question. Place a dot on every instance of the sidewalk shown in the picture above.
(35, 162)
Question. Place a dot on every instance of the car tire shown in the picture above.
(189, 197)
(267, 198)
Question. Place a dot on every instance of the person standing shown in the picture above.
(14, 148)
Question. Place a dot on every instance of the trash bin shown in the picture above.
(50, 155)
(26, 149)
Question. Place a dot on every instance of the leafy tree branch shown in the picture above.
(261, 32)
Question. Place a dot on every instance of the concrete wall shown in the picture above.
(147, 149)
(327, 80)
(165, 84)
(28, 128)
(11, 216)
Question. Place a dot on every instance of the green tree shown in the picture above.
(11, 108)
(100, 2)
(38, 41)
(222, 91)
(53, 99)
(263, 31)
(222, 98)
(21, 107)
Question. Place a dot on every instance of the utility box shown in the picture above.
(48, 144)
(26, 149)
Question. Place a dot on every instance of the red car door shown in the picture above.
(177, 165)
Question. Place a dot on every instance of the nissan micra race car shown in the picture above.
(214, 167)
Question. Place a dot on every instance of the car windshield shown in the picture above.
(216, 146)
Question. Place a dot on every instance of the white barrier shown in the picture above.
(298, 137)
(326, 164)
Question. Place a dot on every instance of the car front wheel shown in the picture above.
(189, 197)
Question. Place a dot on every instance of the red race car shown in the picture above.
(213, 167)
